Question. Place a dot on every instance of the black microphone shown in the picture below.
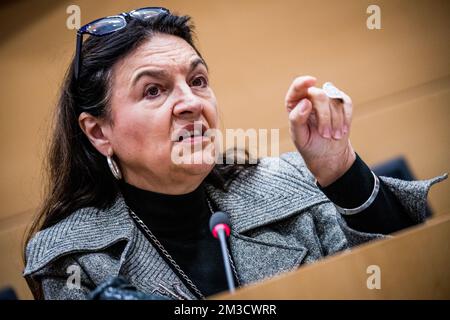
(219, 224)
(118, 288)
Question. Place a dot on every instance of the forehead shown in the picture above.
(162, 50)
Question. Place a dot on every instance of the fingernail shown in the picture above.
(338, 134)
(302, 106)
(345, 129)
(327, 133)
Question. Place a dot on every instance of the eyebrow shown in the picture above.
(161, 73)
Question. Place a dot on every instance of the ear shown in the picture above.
(95, 129)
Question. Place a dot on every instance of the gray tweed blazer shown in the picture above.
(280, 220)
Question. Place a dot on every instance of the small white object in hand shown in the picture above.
(332, 92)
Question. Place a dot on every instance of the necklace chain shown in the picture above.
(171, 260)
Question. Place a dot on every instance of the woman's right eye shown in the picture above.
(152, 91)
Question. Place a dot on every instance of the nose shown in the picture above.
(189, 106)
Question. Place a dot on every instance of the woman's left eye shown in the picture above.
(153, 91)
(199, 82)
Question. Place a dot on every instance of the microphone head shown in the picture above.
(219, 220)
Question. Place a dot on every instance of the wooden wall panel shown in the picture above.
(398, 78)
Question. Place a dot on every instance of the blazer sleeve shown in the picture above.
(64, 279)
(412, 196)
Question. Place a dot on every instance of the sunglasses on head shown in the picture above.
(107, 25)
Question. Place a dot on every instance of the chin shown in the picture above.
(197, 168)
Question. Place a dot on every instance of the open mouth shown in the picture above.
(191, 133)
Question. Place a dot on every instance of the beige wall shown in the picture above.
(398, 77)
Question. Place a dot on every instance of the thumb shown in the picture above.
(298, 118)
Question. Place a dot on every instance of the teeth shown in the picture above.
(191, 133)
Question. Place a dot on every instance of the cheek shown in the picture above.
(141, 134)
(211, 114)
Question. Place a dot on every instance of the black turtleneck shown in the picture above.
(181, 224)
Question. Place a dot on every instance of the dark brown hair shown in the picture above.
(77, 174)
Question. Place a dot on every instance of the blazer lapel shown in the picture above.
(255, 200)
(257, 259)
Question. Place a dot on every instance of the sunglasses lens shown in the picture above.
(106, 25)
(146, 13)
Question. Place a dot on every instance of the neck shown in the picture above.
(167, 185)
(168, 215)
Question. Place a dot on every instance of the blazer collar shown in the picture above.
(261, 196)
(87, 229)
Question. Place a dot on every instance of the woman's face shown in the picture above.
(157, 92)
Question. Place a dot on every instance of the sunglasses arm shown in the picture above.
(78, 54)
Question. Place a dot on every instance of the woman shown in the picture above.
(118, 203)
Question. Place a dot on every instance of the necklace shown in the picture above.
(169, 258)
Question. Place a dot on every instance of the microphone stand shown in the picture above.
(226, 260)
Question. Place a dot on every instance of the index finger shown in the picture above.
(298, 90)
